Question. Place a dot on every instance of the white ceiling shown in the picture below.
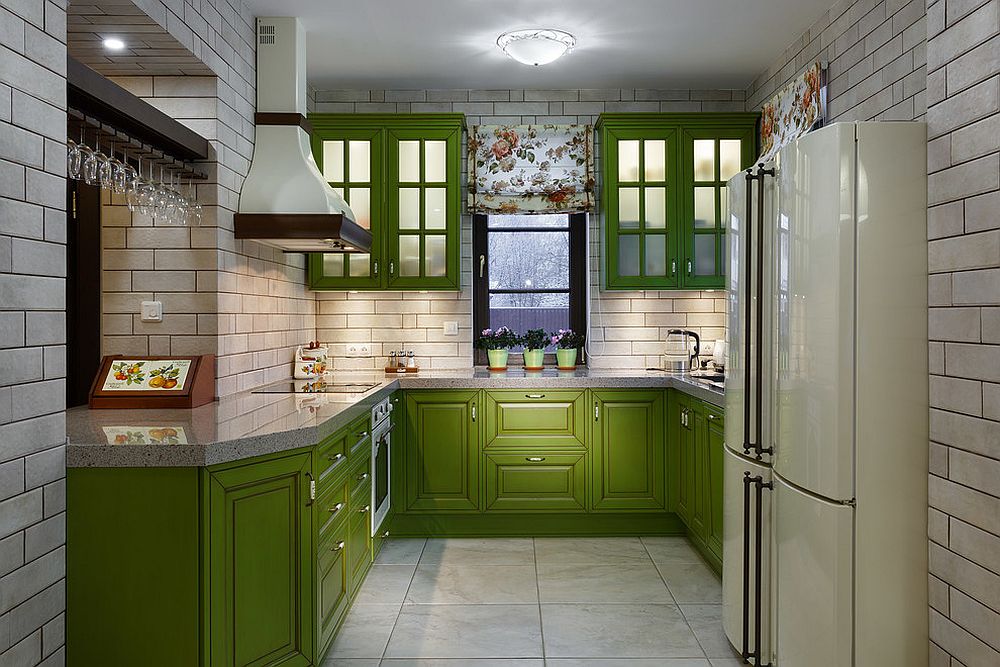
(424, 44)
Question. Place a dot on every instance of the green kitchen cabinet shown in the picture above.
(551, 419)
(401, 176)
(715, 434)
(533, 480)
(664, 196)
(260, 562)
(442, 451)
(333, 586)
(627, 445)
(683, 442)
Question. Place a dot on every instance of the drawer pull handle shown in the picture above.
(365, 509)
(335, 457)
(385, 534)
(336, 508)
(711, 416)
(534, 395)
(338, 546)
(362, 477)
(361, 435)
(534, 459)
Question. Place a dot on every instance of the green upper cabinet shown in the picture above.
(664, 196)
(401, 176)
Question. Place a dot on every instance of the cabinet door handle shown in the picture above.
(365, 509)
(673, 267)
(482, 264)
(597, 411)
(689, 267)
(336, 457)
(312, 488)
(339, 546)
(336, 508)
(534, 395)
(534, 459)
(362, 477)
(392, 268)
(473, 412)
(375, 268)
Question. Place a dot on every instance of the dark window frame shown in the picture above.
(578, 276)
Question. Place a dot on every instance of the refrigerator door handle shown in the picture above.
(747, 481)
(747, 366)
(759, 407)
(759, 484)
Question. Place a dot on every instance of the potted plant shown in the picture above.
(497, 344)
(568, 344)
(535, 342)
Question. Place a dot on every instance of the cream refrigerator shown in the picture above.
(825, 500)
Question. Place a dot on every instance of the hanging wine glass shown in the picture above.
(134, 183)
(74, 159)
(147, 195)
(105, 170)
(88, 167)
(120, 175)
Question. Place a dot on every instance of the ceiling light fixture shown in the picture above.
(114, 44)
(539, 46)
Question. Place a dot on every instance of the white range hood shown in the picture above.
(285, 201)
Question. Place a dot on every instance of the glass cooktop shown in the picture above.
(315, 387)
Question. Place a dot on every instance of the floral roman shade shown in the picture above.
(797, 108)
(525, 169)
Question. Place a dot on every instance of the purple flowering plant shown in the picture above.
(567, 339)
(501, 338)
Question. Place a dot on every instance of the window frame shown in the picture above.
(578, 277)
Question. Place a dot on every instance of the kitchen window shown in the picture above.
(529, 272)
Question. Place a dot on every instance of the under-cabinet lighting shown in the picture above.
(114, 44)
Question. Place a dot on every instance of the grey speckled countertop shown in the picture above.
(251, 424)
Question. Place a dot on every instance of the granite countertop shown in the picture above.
(252, 424)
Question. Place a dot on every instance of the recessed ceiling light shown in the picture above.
(535, 47)
(114, 44)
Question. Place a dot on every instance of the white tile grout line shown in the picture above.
(420, 557)
(538, 593)
(671, 593)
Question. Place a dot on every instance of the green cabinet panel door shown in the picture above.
(683, 442)
(715, 440)
(260, 563)
(536, 480)
(333, 583)
(697, 430)
(547, 419)
(628, 450)
(442, 450)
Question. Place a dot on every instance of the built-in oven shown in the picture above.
(381, 475)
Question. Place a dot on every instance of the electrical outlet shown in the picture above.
(451, 328)
(151, 311)
(359, 350)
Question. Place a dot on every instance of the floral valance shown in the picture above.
(797, 108)
(524, 169)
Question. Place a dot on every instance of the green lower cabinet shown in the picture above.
(715, 436)
(333, 584)
(549, 419)
(259, 572)
(627, 446)
(442, 453)
(536, 481)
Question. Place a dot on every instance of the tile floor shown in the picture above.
(556, 602)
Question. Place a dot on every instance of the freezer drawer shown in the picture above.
(814, 579)
(738, 592)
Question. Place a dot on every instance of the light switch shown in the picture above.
(151, 311)
(451, 328)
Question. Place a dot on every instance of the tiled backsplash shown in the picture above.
(626, 328)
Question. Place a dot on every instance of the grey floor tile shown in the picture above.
(590, 550)
(435, 583)
(617, 631)
(627, 662)
(385, 584)
(463, 662)
(365, 631)
(466, 631)
(401, 550)
(692, 583)
(671, 549)
(351, 662)
(706, 623)
(727, 662)
(476, 551)
(627, 582)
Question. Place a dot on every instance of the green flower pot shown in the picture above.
(534, 359)
(566, 358)
(498, 358)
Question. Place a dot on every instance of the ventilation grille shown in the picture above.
(265, 34)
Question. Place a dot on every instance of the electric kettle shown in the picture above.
(678, 357)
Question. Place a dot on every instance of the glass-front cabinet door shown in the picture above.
(423, 207)
(711, 157)
(641, 209)
(351, 162)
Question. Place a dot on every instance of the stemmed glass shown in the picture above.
(74, 159)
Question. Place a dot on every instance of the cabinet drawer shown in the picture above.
(550, 419)
(359, 545)
(331, 457)
(331, 508)
(359, 438)
(359, 478)
(536, 481)
(332, 589)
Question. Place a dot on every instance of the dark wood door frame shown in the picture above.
(83, 289)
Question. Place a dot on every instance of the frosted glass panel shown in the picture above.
(409, 161)
(434, 208)
(724, 206)
(729, 158)
(333, 161)
(409, 255)
(360, 265)
(333, 264)
(434, 161)
(628, 208)
(628, 160)
(339, 191)
(655, 159)
(704, 159)
(628, 255)
(361, 161)
(656, 208)
(360, 202)
(409, 208)
(434, 262)
(704, 254)
(656, 254)
(704, 207)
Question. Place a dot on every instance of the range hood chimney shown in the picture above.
(285, 201)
